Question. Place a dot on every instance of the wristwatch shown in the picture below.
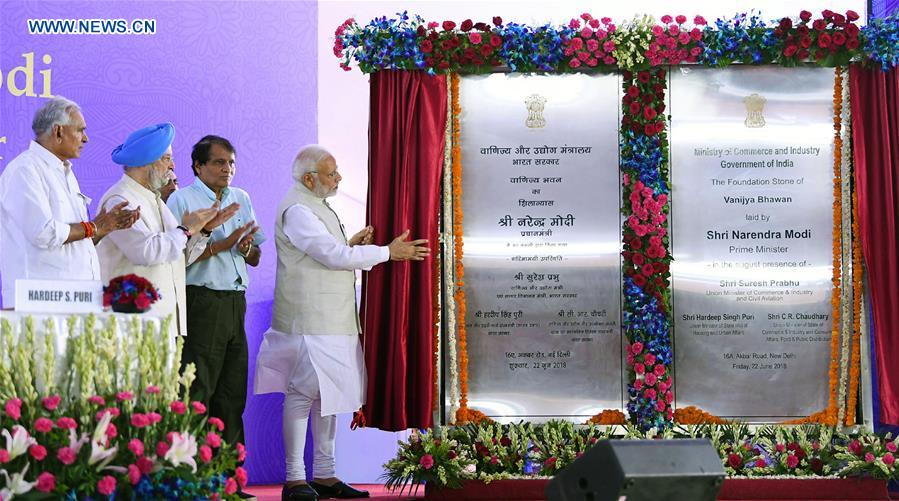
(187, 232)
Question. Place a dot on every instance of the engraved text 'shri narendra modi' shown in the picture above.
(755, 104)
(535, 103)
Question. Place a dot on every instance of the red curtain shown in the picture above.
(406, 145)
(875, 140)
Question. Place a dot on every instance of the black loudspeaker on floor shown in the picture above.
(641, 470)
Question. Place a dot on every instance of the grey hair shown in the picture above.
(56, 111)
(307, 160)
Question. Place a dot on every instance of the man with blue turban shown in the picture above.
(154, 247)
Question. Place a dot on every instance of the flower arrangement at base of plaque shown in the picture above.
(487, 452)
(129, 294)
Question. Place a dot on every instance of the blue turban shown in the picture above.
(144, 146)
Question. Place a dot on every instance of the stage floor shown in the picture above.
(379, 493)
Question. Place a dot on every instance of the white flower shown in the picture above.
(16, 484)
(19, 442)
(183, 450)
(75, 443)
(471, 468)
(101, 455)
(100, 432)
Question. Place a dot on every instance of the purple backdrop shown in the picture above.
(243, 70)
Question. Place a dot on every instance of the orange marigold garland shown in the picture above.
(695, 415)
(854, 365)
(830, 414)
(463, 415)
(608, 416)
(825, 416)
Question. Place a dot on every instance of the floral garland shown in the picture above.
(608, 417)
(447, 238)
(830, 416)
(857, 273)
(409, 43)
(463, 414)
(845, 253)
(694, 415)
(647, 299)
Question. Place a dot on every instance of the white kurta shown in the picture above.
(337, 360)
(39, 199)
(152, 248)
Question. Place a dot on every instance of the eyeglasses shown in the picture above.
(167, 159)
(332, 175)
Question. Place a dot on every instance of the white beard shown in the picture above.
(319, 189)
(157, 181)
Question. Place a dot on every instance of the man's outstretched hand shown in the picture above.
(408, 250)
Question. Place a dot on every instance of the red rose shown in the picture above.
(643, 76)
(852, 44)
(498, 21)
(819, 24)
(824, 40)
(805, 42)
(681, 19)
(639, 280)
(448, 25)
(467, 25)
(827, 14)
(443, 65)
(426, 46)
(839, 20)
(790, 50)
(839, 39)
(805, 15)
(851, 15)
(851, 30)
(785, 24)
(635, 108)
(735, 461)
(649, 113)
(495, 40)
(803, 54)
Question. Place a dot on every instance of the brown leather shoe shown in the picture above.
(339, 490)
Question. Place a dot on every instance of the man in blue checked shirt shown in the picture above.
(216, 282)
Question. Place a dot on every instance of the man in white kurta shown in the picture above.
(312, 352)
(154, 247)
(45, 229)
